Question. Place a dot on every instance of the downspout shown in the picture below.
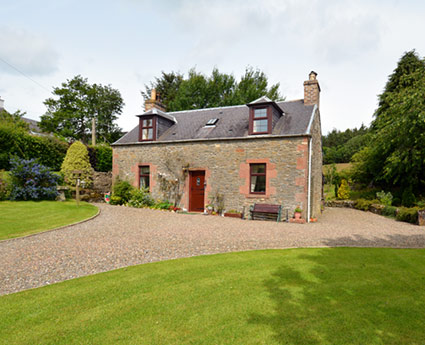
(310, 152)
(309, 181)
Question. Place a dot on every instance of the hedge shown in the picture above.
(100, 157)
(14, 142)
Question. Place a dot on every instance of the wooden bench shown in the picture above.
(266, 212)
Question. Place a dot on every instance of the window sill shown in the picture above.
(257, 196)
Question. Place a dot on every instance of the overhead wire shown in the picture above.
(25, 75)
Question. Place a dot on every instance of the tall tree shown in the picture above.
(219, 89)
(77, 103)
(395, 156)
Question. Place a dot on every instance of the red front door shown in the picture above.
(197, 191)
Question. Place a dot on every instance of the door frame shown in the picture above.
(190, 188)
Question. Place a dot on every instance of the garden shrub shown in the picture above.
(5, 185)
(364, 205)
(77, 158)
(409, 215)
(14, 141)
(100, 157)
(408, 198)
(140, 198)
(164, 205)
(344, 190)
(389, 211)
(122, 190)
(32, 180)
(364, 193)
(385, 198)
(396, 201)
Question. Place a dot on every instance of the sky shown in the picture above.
(352, 45)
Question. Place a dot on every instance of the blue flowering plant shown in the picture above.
(32, 180)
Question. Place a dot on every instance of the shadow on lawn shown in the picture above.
(345, 296)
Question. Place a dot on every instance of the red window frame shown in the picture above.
(268, 117)
(142, 127)
(251, 174)
(145, 175)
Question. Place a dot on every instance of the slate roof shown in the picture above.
(233, 122)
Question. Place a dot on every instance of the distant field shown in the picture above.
(339, 166)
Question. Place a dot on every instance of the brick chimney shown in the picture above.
(154, 102)
(1, 104)
(312, 90)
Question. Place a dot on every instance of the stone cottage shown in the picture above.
(262, 152)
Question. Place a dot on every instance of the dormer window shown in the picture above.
(263, 114)
(147, 129)
(260, 121)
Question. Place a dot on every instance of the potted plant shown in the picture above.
(233, 214)
(209, 209)
(297, 212)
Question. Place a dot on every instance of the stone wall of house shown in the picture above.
(226, 165)
(316, 167)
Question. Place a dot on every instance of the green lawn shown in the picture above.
(20, 218)
(298, 296)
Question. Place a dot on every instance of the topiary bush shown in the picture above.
(409, 215)
(32, 180)
(344, 190)
(77, 158)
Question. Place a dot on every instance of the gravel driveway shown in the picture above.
(122, 236)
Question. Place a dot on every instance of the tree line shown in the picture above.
(391, 152)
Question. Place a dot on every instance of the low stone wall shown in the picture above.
(102, 182)
(340, 203)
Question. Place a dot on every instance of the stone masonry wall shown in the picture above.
(316, 167)
(226, 164)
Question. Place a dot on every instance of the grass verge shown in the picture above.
(21, 218)
(297, 296)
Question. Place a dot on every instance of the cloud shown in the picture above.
(332, 31)
(29, 53)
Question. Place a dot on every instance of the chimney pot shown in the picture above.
(154, 102)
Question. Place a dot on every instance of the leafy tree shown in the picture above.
(219, 89)
(395, 155)
(340, 146)
(77, 158)
(78, 102)
(13, 120)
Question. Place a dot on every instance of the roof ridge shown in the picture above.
(203, 109)
(226, 107)
(292, 100)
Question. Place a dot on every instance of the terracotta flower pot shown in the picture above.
(297, 215)
(233, 215)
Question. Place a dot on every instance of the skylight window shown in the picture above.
(211, 122)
